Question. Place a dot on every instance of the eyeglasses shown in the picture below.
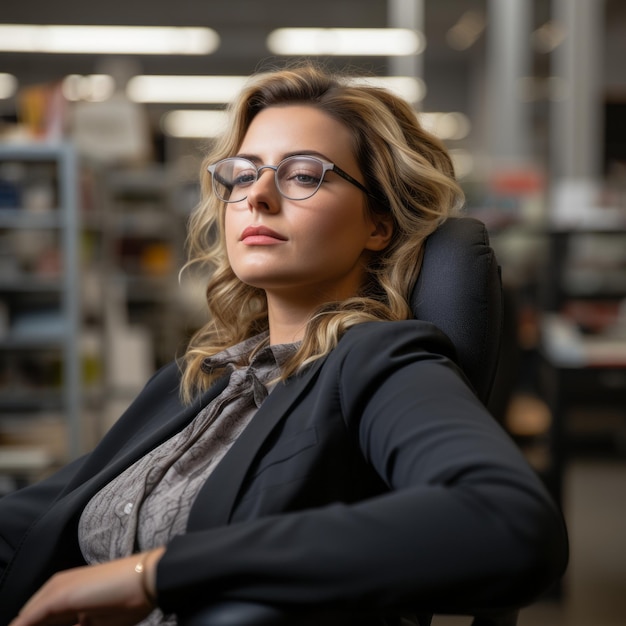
(297, 177)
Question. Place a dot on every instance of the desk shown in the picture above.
(577, 372)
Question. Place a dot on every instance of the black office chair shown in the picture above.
(458, 290)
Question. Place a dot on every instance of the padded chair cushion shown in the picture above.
(459, 290)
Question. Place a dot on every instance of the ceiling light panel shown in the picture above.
(185, 89)
(408, 87)
(194, 124)
(346, 41)
(8, 85)
(107, 39)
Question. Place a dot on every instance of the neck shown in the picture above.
(287, 321)
(289, 311)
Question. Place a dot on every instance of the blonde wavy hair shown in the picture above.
(404, 166)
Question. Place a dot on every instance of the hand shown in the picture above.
(111, 594)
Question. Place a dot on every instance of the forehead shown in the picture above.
(280, 130)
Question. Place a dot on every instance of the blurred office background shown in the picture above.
(101, 136)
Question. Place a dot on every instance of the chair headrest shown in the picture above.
(459, 290)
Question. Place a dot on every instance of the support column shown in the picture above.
(508, 61)
(406, 14)
(576, 109)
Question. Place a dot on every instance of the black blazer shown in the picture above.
(374, 479)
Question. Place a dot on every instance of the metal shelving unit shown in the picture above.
(22, 289)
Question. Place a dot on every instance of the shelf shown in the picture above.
(41, 342)
(145, 235)
(22, 282)
(40, 289)
(109, 269)
(19, 218)
(139, 288)
(585, 264)
(18, 460)
(29, 399)
(565, 345)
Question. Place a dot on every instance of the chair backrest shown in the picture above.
(460, 291)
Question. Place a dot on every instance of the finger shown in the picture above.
(44, 619)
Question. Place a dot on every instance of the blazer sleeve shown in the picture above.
(20, 509)
(465, 526)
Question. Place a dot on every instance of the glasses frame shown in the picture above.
(327, 166)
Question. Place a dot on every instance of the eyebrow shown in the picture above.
(256, 159)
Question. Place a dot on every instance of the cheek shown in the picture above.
(330, 222)
(230, 229)
(339, 228)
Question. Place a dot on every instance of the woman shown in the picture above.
(315, 447)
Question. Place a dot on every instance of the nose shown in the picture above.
(263, 194)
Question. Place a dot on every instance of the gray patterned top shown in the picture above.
(149, 503)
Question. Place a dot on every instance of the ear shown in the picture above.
(382, 231)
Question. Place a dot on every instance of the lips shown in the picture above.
(260, 235)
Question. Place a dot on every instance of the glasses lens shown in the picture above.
(299, 177)
(232, 177)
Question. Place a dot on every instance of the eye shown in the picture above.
(245, 177)
(304, 178)
(302, 174)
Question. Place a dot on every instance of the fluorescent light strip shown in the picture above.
(222, 89)
(447, 126)
(464, 162)
(185, 89)
(407, 87)
(181, 123)
(346, 41)
(92, 88)
(107, 39)
(193, 124)
(8, 85)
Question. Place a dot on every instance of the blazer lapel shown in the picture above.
(167, 417)
(171, 418)
(215, 502)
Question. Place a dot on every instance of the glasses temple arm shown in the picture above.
(356, 183)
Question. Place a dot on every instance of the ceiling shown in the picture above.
(452, 77)
(243, 26)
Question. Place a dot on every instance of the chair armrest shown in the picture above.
(508, 618)
(253, 614)
(236, 614)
